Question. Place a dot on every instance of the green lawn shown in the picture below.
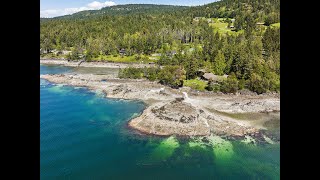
(195, 84)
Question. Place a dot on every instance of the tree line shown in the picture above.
(250, 58)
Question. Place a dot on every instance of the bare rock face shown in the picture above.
(177, 111)
(119, 89)
(183, 118)
(170, 113)
(172, 117)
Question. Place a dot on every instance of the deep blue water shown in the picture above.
(84, 136)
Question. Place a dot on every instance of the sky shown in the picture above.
(53, 8)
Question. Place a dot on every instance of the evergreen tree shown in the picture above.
(219, 64)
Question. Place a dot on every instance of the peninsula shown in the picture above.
(180, 111)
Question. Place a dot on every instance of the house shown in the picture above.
(54, 51)
(156, 54)
(122, 52)
(208, 76)
(201, 72)
(197, 18)
(213, 77)
(191, 49)
(171, 53)
(81, 56)
(66, 52)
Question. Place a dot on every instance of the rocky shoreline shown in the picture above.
(180, 111)
(92, 64)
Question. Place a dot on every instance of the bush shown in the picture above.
(213, 87)
(138, 57)
(145, 59)
(230, 85)
(258, 84)
(130, 72)
(196, 84)
(152, 73)
(172, 76)
(136, 73)
(273, 81)
(241, 84)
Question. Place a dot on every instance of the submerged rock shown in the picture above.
(165, 149)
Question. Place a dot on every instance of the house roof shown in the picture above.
(122, 50)
(172, 52)
(213, 76)
(209, 76)
(202, 70)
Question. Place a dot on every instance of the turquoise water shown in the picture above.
(84, 136)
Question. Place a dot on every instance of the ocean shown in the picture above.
(84, 135)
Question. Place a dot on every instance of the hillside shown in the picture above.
(259, 10)
(128, 9)
(237, 38)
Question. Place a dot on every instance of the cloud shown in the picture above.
(99, 5)
(95, 5)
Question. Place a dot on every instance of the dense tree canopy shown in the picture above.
(183, 39)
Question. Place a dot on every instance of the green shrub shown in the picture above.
(151, 73)
(230, 85)
(138, 57)
(195, 84)
(258, 84)
(130, 72)
(172, 76)
(241, 84)
(213, 87)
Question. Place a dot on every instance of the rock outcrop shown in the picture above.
(172, 111)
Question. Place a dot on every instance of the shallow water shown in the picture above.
(85, 136)
(56, 69)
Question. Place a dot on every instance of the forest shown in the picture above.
(238, 38)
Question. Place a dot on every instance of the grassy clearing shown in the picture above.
(195, 84)
(111, 58)
(125, 59)
(222, 27)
